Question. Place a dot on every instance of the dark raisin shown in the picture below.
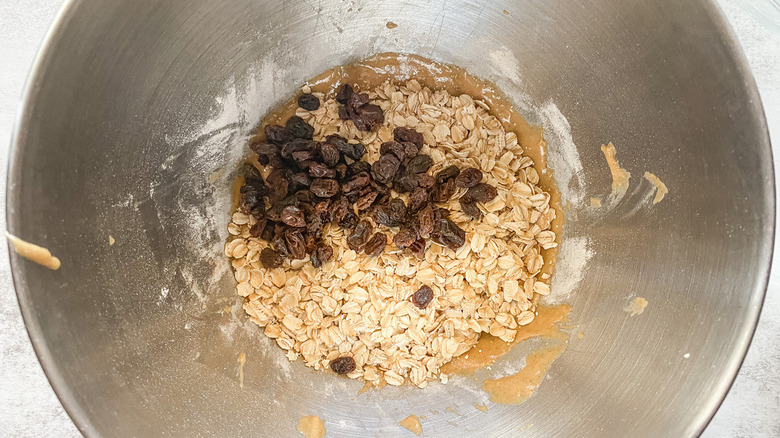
(339, 208)
(447, 173)
(343, 113)
(296, 145)
(251, 201)
(368, 117)
(318, 170)
(343, 364)
(481, 192)
(296, 244)
(360, 235)
(264, 151)
(418, 248)
(359, 167)
(325, 253)
(293, 216)
(278, 184)
(299, 181)
(279, 243)
(330, 154)
(348, 221)
(324, 188)
(383, 170)
(304, 156)
(376, 244)
(311, 242)
(440, 213)
(418, 199)
(382, 217)
(366, 201)
(315, 225)
(471, 209)
(357, 100)
(314, 258)
(268, 231)
(444, 191)
(425, 181)
(397, 210)
(419, 164)
(299, 128)
(405, 184)
(422, 297)
(309, 102)
(394, 148)
(306, 197)
(344, 94)
(404, 238)
(425, 222)
(341, 170)
(468, 178)
(410, 150)
(447, 233)
(277, 134)
(356, 183)
(258, 227)
(408, 135)
(270, 258)
(356, 151)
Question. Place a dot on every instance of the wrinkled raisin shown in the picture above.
(279, 244)
(447, 233)
(410, 150)
(425, 181)
(299, 181)
(344, 94)
(404, 238)
(359, 167)
(296, 145)
(376, 244)
(405, 184)
(296, 244)
(293, 216)
(360, 235)
(309, 102)
(265, 151)
(422, 297)
(357, 100)
(318, 170)
(251, 201)
(270, 258)
(366, 200)
(419, 164)
(368, 117)
(418, 248)
(447, 173)
(339, 208)
(481, 192)
(443, 192)
(471, 209)
(330, 154)
(277, 134)
(397, 210)
(383, 170)
(324, 188)
(357, 182)
(418, 199)
(425, 222)
(343, 364)
(440, 213)
(382, 217)
(394, 148)
(325, 253)
(278, 184)
(348, 221)
(468, 178)
(408, 135)
(299, 128)
(355, 151)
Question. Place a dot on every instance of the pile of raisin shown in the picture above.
(315, 183)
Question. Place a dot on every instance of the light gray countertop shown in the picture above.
(29, 408)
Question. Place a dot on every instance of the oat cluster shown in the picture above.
(358, 305)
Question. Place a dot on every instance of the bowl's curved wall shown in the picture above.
(136, 116)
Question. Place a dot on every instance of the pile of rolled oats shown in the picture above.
(359, 306)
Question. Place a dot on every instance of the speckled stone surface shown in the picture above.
(29, 408)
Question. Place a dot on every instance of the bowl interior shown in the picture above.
(136, 119)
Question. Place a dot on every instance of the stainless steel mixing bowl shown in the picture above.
(134, 122)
